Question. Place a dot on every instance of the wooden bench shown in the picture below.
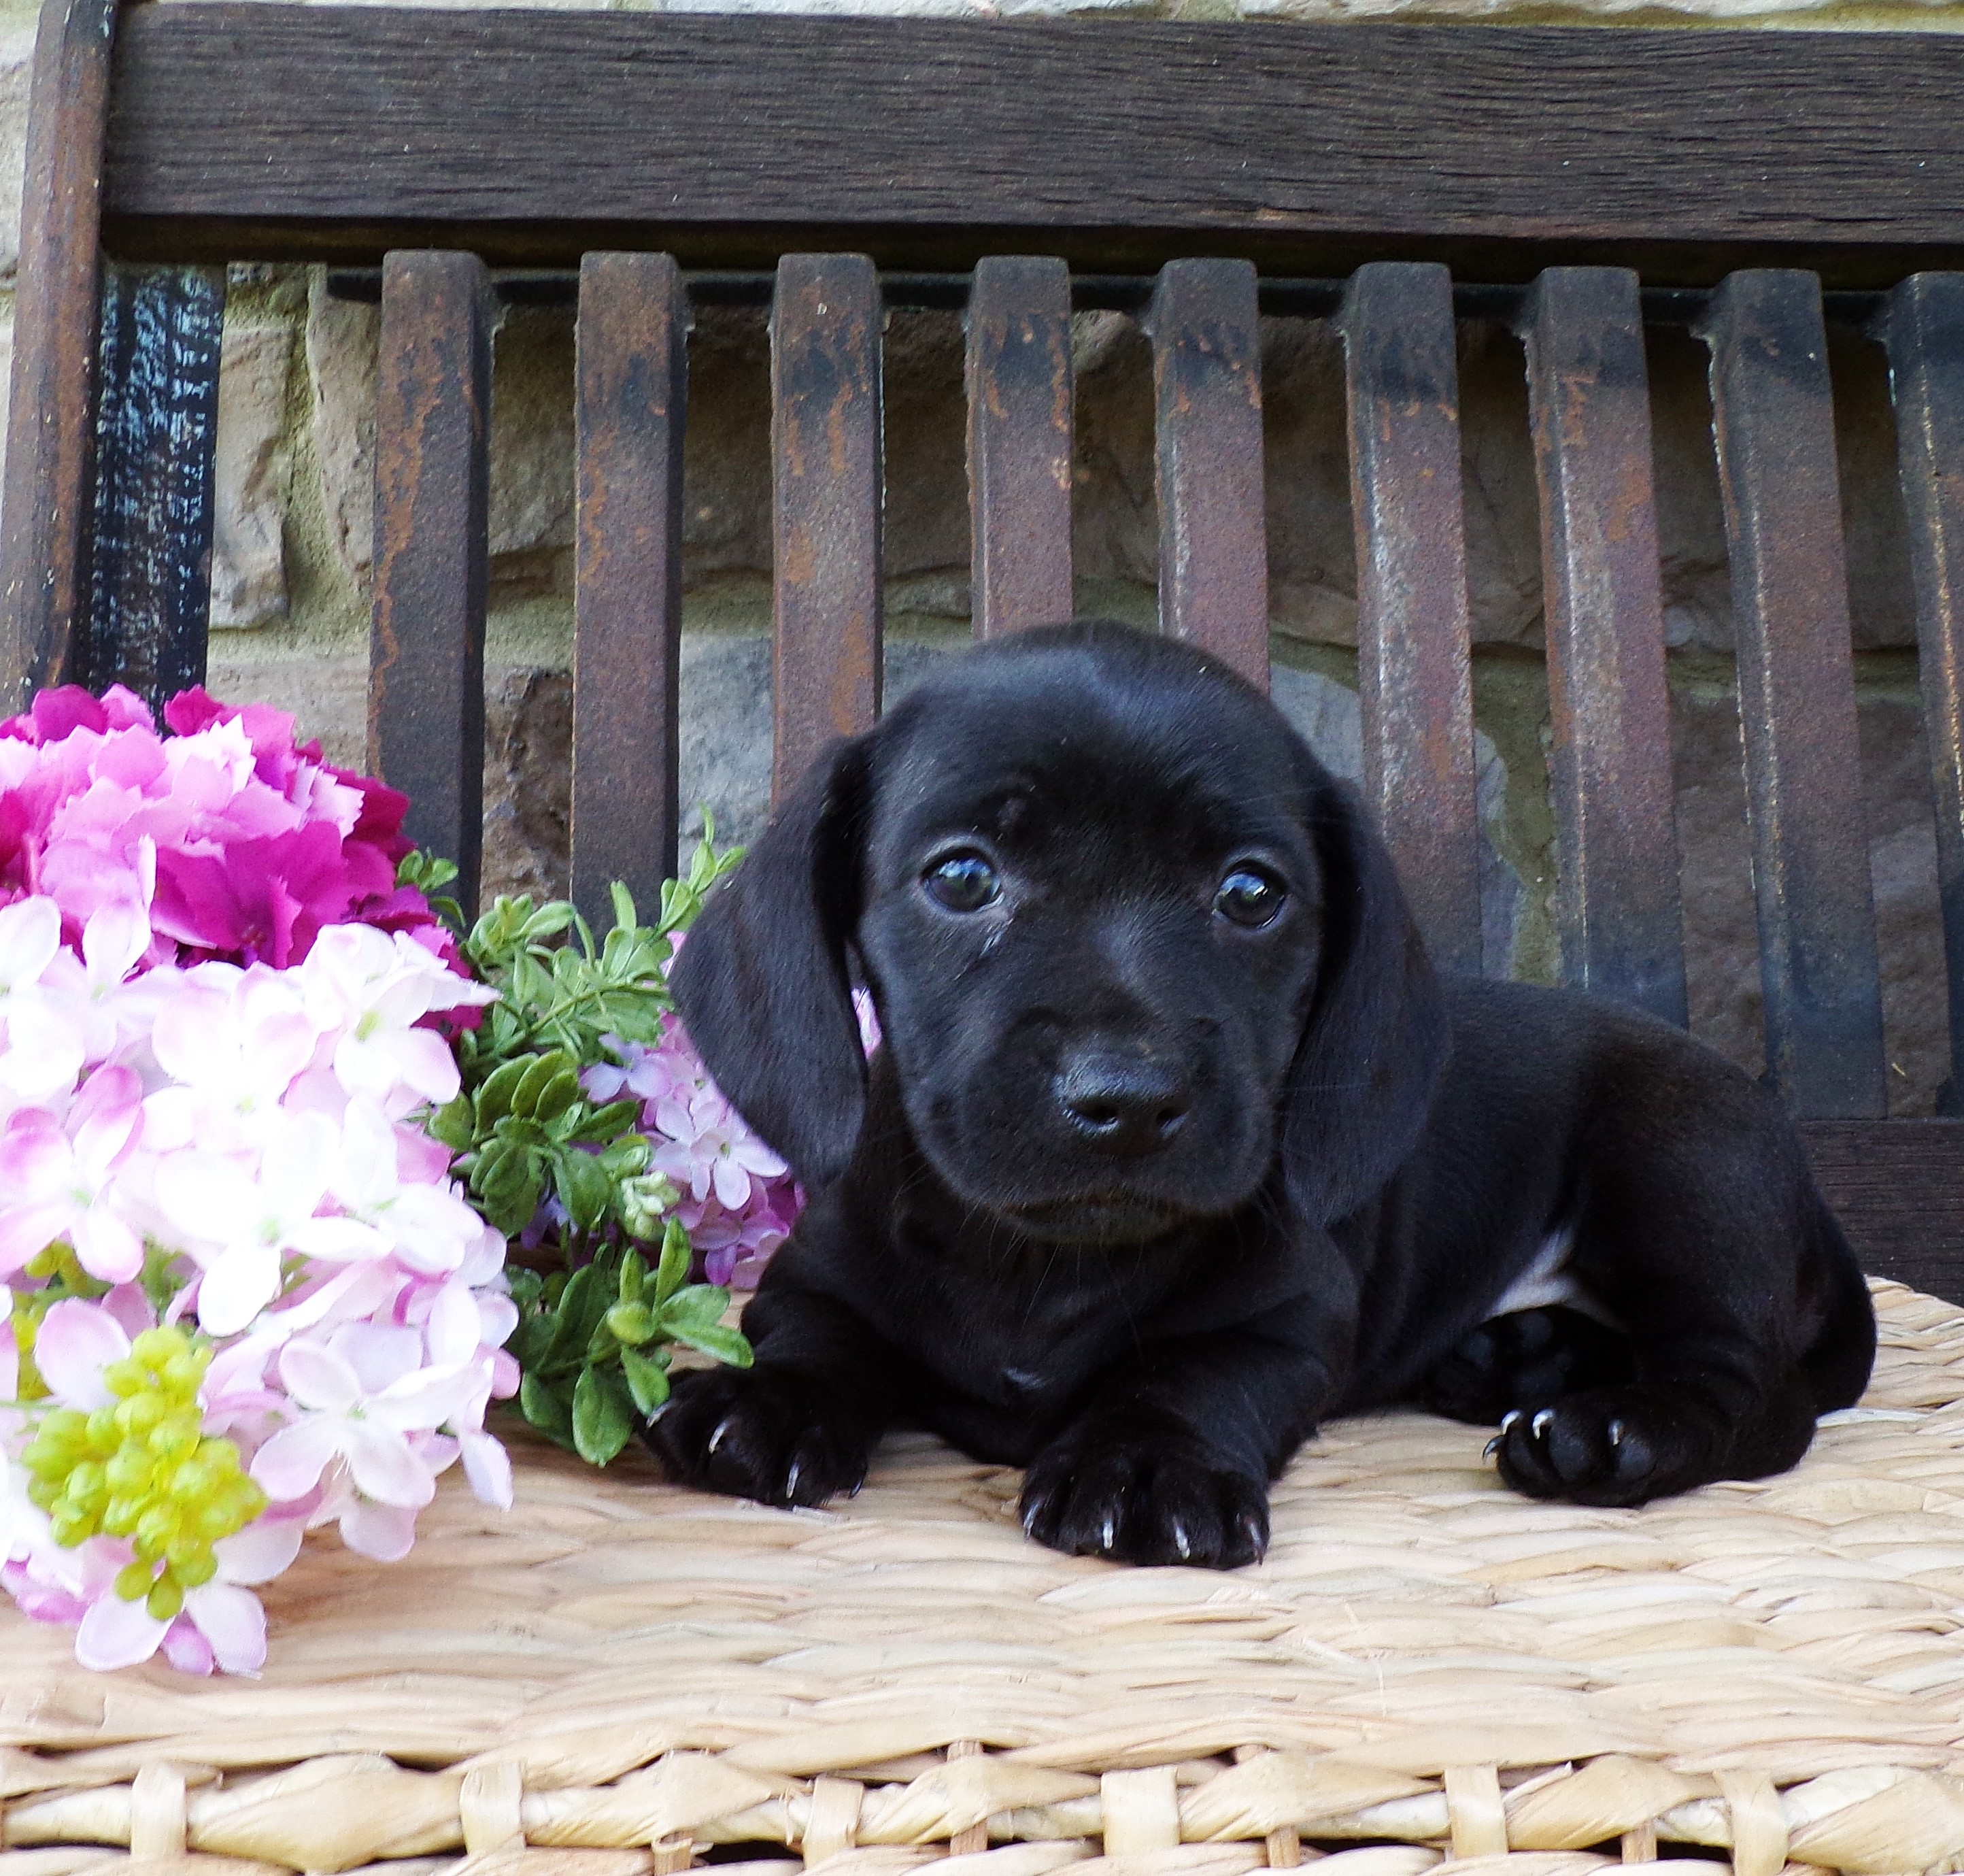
(1576, 183)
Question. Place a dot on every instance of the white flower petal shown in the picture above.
(318, 1377)
(260, 1552)
(236, 1287)
(116, 1634)
(289, 1464)
(233, 1620)
(384, 1468)
(384, 1532)
(489, 1468)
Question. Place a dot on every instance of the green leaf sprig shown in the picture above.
(594, 1332)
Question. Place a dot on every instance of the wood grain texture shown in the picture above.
(157, 494)
(827, 494)
(1207, 454)
(1774, 420)
(632, 390)
(43, 514)
(426, 643)
(1898, 1187)
(1019, 388)
(1414, 669)
(1616, 898)
(1924, 328)
(723, 135)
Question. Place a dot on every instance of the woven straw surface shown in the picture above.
(618, 1677)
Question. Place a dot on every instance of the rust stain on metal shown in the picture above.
(1205, 328)
(1413, 631)
(827, 498)
(1773, 421)
(1617, 905)
(1019, 381)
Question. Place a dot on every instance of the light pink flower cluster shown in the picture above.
(236, 1147)
(739, 1200)
(234, 840)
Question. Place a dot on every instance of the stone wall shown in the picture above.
(291, 562)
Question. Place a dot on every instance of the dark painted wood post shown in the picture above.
(426, 646)
(1414, 634)
(1019, 444)
(1616, 894)
(632, 396)
(43, 518)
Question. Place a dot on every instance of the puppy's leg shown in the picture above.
(1524, 1360)
(1170, 1462)
(800, 1426)
(1704, 1234)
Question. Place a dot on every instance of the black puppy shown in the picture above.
(1176, 1145)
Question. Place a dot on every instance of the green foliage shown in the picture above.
(592, 1342)
(593, 1336)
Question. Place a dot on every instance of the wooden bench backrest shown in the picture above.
(1195, 176)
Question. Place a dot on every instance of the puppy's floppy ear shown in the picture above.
(761, 981)
(1377, 1035)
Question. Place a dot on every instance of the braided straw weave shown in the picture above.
(1427, 1672)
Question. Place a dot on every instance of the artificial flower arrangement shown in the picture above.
(270, 1121)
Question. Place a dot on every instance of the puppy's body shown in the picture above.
(1176, 1147)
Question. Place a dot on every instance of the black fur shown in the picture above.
(1135, 1195)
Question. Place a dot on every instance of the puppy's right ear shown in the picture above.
(762, 981)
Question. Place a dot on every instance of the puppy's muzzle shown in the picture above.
(1121, 1106)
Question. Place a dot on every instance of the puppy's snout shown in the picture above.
(1122, 1104)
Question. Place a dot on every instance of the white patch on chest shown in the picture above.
(1548, 1281)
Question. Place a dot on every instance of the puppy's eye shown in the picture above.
(1250, 897)
(963, 882)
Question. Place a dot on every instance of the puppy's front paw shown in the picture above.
(1141, 1501)
(1607, 1446)
(760, 1434)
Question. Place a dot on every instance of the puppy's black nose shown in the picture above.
(1121, 1104)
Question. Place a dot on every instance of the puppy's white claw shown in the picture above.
(1179, 1542)
(1030, 1521)
(1508, 1418)
(1251, 1528)
(722, 1426)
(1108, 1533)
(659, 1411)
(1540, 1423)
(791, 1478)
(1615, 1431)
(1492, 1446)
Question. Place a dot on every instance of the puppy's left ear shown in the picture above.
(761, 981)
(1377, 1037)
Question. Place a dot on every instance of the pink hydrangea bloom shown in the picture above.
(237, 841)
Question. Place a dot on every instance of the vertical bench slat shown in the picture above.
(1924, 329)
(1616, 897)
(1207, 377)
(826, 453)
(1413, 630)
(631, 405)
(1019, 443)
(426, 649)
(156, 445)
(1773, 418)
(44, 551)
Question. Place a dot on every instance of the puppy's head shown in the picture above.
(1129, 942)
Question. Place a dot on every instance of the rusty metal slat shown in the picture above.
(1207, 378)
(426, 646)
(1019, 443)
(1616, 899)
(828, 494)
(630, 407)
(1924, 329)
(1774, 419)
(43, 544)
(1413, 631)
(156, 442)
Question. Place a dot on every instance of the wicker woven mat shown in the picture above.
(620, 1676)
